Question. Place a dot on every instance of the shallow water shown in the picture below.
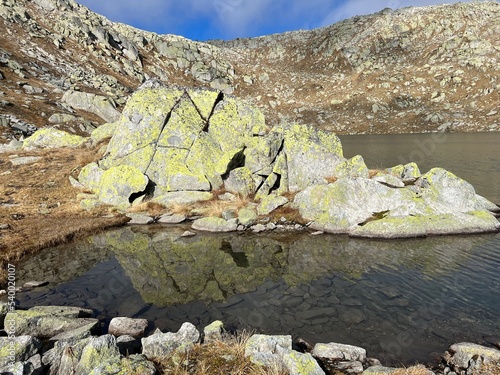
(402, 300)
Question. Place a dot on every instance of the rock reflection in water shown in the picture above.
(401, 300)
(168, 269)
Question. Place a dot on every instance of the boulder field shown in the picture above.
(182, 146)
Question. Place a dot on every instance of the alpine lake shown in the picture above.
(402, 300)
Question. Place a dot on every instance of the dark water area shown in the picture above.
(402, 300)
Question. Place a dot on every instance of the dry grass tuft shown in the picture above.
(373, 172)
(215, 206)
(221, 357)
(492, 368)
(331, 179)
(292, 215)
(153, 209)
(290, 195)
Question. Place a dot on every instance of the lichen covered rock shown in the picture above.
(117, 184)
(215, 224)
(53, 138)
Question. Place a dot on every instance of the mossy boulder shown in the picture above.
(247, 216)
(298, 363)
(117, 184)
(184, 198)
(405, 172)
(183, 139)
(100, 355)
(53, 138)
(438, 203)
(90, 176)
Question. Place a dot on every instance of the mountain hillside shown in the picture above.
(412, 70)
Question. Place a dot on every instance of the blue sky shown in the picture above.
(230, 19)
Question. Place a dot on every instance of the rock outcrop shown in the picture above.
(178, 146)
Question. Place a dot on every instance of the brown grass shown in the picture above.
(373, 172)
(331, 179)
(492, 368)
(215, 206)
(153, 209)
(221, 357)
(292, 215)
(39, 206)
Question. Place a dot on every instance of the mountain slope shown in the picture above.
(412, 70)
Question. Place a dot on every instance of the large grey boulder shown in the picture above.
(339, 352)
(183, 198)
(464, 355)
(159, 344)
(117, 185)
(126, 326)
(48, 321)
(96, 104)
(270, 203)
(437, 203)
(340, 207)
(215, 224)
(240, 181)
(312, 155)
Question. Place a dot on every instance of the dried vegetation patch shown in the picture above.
(224, 356)
(38, 205)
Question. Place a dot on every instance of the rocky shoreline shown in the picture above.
(213, 158)
(69, 340)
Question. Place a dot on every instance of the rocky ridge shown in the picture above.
(411, 70)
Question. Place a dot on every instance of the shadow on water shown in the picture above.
(402, 300)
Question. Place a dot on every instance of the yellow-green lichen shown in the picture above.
(203, 159)
(183, 126)
(103, 132)
(117, 184)
(204, 100)
(53, 138)
(354, 167)
(233, 123)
